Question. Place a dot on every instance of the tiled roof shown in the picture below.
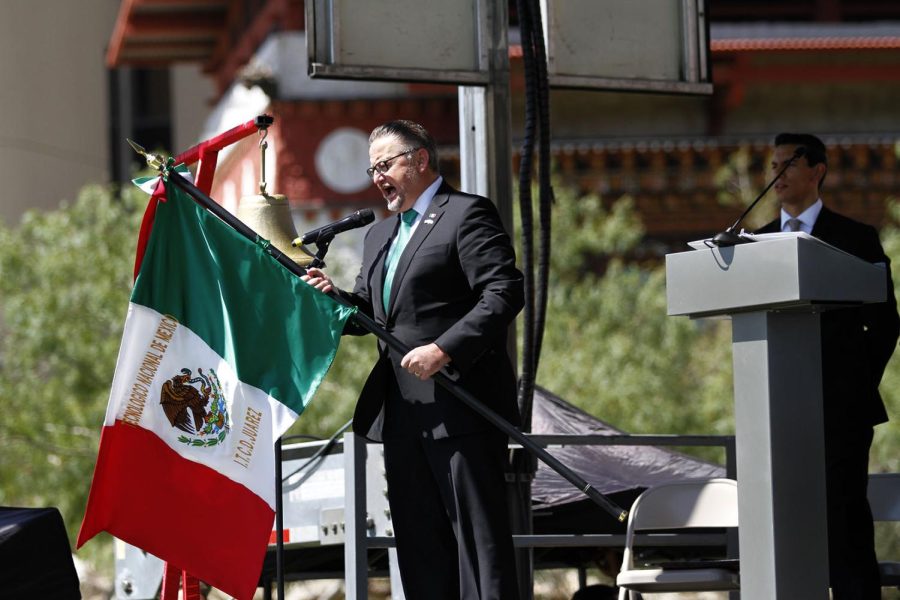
(743, 37)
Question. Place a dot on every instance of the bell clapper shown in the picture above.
(263, 146)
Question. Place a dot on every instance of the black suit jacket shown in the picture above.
(457, 285)
(856, 342)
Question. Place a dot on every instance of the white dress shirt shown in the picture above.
(807, 218)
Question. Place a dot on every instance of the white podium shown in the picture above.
(774, 291)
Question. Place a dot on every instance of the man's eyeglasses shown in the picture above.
(382, 166)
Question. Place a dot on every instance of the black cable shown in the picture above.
(537, 116)
(321, 452)
(527, 373)
(545, 195)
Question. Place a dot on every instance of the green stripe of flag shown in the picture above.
(277, 332)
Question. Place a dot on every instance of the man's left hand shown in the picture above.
(425, 361)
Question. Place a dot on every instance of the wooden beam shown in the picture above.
(165, 22)
(176, 23)
(806, 73)
(118, 36)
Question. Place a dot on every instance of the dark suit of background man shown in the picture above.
(856, 346)
(453, 294)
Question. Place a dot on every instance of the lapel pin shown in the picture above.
(429, 222)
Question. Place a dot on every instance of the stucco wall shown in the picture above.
(53, 101)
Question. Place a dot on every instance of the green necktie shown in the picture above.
(406, 221)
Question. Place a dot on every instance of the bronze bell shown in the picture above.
(270, 217)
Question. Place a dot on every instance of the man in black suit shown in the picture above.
(856, 346)
(441, 277)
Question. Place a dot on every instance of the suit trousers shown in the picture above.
(852, 565)
(448, 507)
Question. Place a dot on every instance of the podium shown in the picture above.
(774, 291)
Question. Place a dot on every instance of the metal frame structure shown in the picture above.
(695, 72)
(358, 542)
(324, 43)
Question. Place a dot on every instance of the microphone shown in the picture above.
(729, 237)
(326, 233)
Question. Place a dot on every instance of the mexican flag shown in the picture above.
(223, 348)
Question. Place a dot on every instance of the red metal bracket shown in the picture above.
(207, 152)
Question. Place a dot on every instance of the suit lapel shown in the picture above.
(822, 228)
(425, 226)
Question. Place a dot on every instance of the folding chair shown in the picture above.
(680, 506)
(884, 500)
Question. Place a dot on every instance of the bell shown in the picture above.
(270, 217)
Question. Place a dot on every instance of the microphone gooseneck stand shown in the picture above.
(729, 237)
(323, 236)
(395, 344)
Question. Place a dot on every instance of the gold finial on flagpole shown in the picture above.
(154, 161)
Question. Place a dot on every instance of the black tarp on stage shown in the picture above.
(35, 557)
(619, 472)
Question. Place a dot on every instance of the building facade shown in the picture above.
(690, 163)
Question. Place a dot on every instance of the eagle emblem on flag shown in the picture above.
(196, 406)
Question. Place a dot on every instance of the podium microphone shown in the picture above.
(326, 233)
(729, 237)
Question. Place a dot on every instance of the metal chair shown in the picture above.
(884, 500)
(680, 506)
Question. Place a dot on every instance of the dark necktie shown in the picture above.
(403, 233)
(793, 224)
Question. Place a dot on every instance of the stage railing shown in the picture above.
(357, 542)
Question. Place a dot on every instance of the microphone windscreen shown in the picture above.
(366, 215)
(800, 151)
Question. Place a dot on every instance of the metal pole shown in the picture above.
(279, 523)
(356, 547)
(395, 344)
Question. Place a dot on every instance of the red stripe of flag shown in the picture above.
(147, 495)
(159, 195)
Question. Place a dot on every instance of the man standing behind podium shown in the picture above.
(856, 346)
(440, 275)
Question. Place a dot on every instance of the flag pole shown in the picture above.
(395, 344)
(279, 523)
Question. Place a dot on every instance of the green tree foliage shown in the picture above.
(65, 277)
(736, 185)
(885, 456)
(609, 347)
